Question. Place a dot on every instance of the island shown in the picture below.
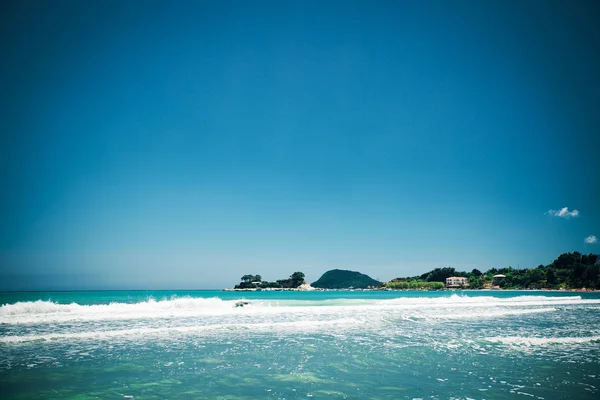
(255, 282)
(344, 279)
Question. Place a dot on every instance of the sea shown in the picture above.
(299, 345)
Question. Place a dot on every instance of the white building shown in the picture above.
(456, 281)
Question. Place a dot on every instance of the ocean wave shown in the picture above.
(452, 300)
(487, 301)
(491, 314)
(33, 312)
(136, 333)
(464, 299)
(542, 341)
(46, 311)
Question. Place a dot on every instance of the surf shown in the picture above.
(40, 311)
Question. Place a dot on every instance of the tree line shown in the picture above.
(568, 271)
(414, 285)
(256, 282)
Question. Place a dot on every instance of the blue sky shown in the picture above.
(151, 145)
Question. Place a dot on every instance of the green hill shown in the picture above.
(569, 271)
(343, 279)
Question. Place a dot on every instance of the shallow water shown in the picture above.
(151, 345)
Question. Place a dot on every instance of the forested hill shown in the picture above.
(343, 279)
(569, 271)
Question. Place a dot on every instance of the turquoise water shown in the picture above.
(292, 345)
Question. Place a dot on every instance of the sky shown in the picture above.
(181, 145)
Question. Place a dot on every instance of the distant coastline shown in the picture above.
(573, 272)
(383, 289)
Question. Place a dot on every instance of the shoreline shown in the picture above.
(582, 290)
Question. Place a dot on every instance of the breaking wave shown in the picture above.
(47, 311)
(543, 341)
(228, 328)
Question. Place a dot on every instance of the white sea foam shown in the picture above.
(50, 312)
(47, 311)
(135, 333)
(456, 301)
(486, 300)
(542, 341)
(491, 314)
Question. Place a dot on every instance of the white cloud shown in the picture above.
(564, 213)
(591, 239)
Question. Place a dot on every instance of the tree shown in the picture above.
(534, 275)
(474, 282)
(297, 279)
(576, 278)
(590, 276)
(439, 274)
(550, 276)
(297, 276)
(476, 272)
